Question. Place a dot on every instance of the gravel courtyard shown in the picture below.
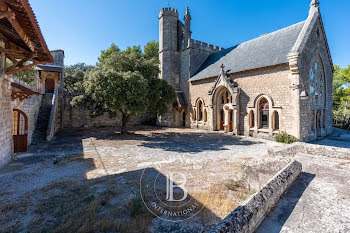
(88, 181)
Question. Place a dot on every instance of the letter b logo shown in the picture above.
(180, 184)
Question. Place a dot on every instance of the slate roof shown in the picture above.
(267, 50)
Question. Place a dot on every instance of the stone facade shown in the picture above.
(232, 101)
(5, 122)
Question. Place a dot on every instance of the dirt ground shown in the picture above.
(89, 180)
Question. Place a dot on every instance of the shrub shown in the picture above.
(285, 138)
(136, 207)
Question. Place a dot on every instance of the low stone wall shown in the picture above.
(247, 217)
(256, 173)
(300, 147)
(79, 117)
(5, 122)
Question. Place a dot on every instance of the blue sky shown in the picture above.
(85, 27)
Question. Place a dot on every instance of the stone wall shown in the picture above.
(5, 122)
(316, 45)
(300, 147)
(247, 217)
(79, 117)
(31, 108)
(272, 82)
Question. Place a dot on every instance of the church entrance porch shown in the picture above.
(225, 112)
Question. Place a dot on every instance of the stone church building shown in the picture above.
(280, 81)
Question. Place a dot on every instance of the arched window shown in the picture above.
(223, 99)
(194, 114)
(251, 119)
(200, 110)
(276, 121)
(317, 83)
(264, 113)
(205, 115)
(230, 99)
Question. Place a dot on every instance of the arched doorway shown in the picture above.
(19, 130)
(223, 114)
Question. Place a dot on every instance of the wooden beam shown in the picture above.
(18, 63)
(21, 68)
(14, 51)
(11, 58)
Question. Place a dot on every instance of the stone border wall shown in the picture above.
(248, 216)
(300, 147)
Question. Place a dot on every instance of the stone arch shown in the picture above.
(200, 106)
(258, 98)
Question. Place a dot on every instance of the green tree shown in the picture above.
(74, 78)
(341, 95)
(151, 50)
(106, 53)
(27, 76)
(126, 82)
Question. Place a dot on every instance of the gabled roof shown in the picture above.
(21, 33)
(267, 50)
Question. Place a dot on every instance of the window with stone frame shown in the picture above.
(251, 119)
(317, 83)
(264, 110)
(276, 121)
(200, 110)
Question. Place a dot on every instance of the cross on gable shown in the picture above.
(222, 67)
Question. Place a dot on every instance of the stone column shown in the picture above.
(294, 76)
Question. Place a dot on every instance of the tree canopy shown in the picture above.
(341, 95)
(74, 78)
(126, 82)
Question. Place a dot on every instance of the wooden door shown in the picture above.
(20, 130)
(49, 85)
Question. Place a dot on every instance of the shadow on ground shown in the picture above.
(194, 142)
(285, 206)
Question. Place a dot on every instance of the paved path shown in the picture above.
(319, 201)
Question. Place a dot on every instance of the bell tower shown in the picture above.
(169, 46)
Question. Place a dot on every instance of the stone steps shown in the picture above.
(39, 134)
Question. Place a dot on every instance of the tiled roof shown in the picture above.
(267, 50)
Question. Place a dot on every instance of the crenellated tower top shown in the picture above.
(168, 11)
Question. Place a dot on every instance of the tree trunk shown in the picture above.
(124, 121)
